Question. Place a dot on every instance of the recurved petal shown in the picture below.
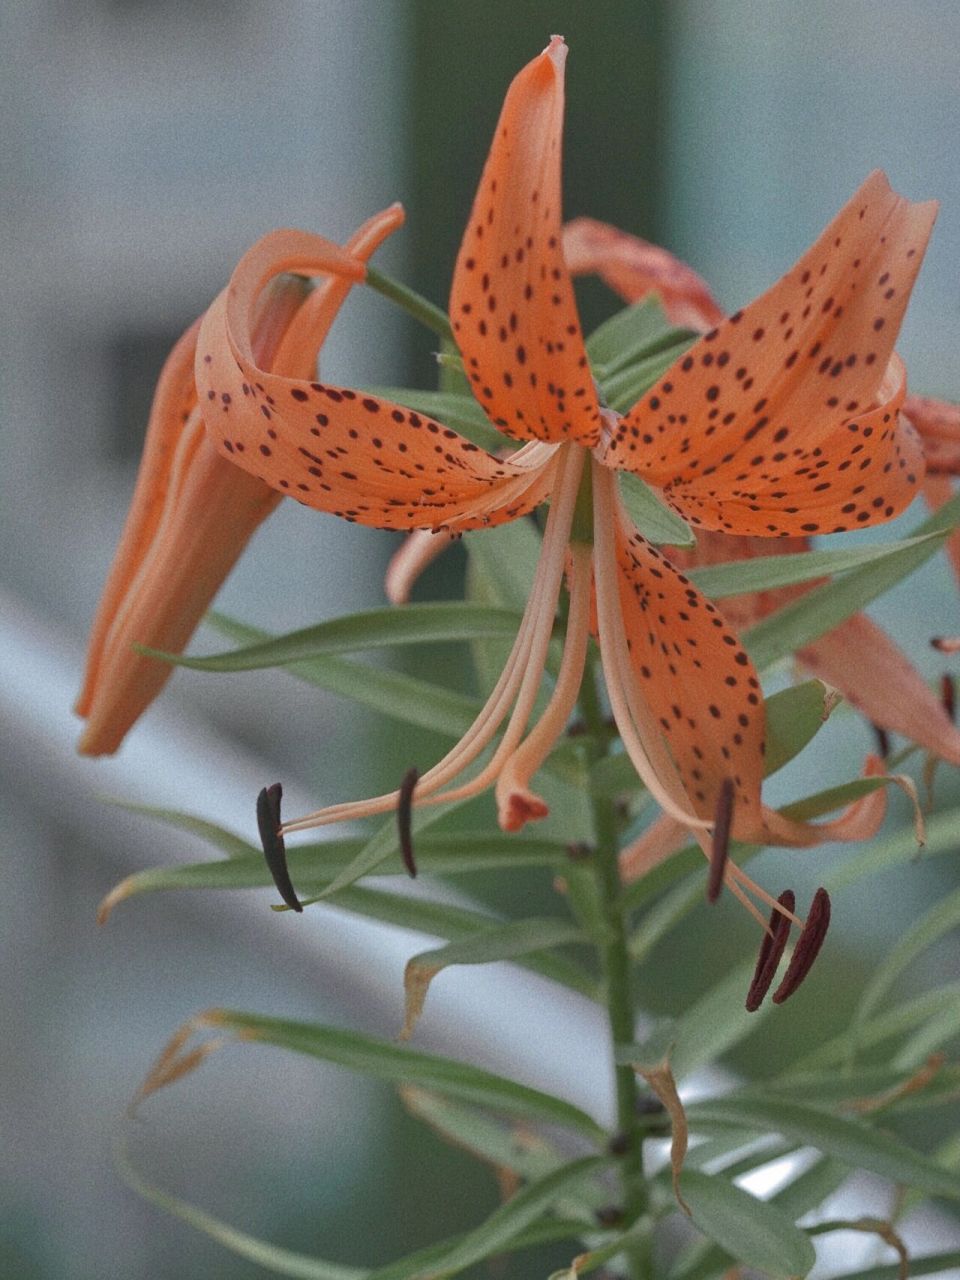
(789, 373)
(820, 480)
(330, 447)
(174, 398)
(860, 820)
(512, 305)
(692, 671)
(938, 424)
(861, 660)
(634, 268)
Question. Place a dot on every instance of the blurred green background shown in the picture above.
(147, 145)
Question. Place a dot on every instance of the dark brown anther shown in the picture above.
(609, 1215)
(405, 818)
(807, 948)
(948, 696)
(579, 851)
(720, 844)
(274, 850)
(883, 741)
(771, 951)
(619, 1144)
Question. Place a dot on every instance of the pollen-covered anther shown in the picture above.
(274, 850)
(405, 819)
(771, 950)
(948, 696)
(807, 948)
(720, 841)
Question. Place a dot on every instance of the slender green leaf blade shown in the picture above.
(931, 1264)
(752, 1231)
(372, 629)
(825, 607)
(629, 331)
(401, 1065)
(942, 836)
(232, 845)
(623, 389)
(461, 412)
(658, 523)
(852, 1141)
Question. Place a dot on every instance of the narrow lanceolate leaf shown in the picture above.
(794, 717)
(313, 867)
(939, 920)
(942, 836)
(281, 1262)
(232, 845)
(753, 1232)
(715, 1022)
(503, 1225)
(852, 1141)
(766, 573)
(623, 389)
(931, 1264)
(619, 340)
(372, 629)
(507, 557)
(461, 412)
(392, 693)
(402, 1065)
(511, 941)
(825, 607)
(657, 523)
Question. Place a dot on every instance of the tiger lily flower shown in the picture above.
(782, 420)
(193, 512)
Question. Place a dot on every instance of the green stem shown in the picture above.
(412, 302)
(615, 959)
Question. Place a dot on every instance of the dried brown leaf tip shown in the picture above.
(274, 850)
(405, 819)
(807, 948)
(720, 843)
(771, 950)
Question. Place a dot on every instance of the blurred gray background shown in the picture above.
(144, 146)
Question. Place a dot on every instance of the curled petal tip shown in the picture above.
(519, 808)
(557, 49)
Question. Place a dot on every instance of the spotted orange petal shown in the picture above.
(634, 268)
(330, 447)
(798, 384)
(512, 305)
(696, 677)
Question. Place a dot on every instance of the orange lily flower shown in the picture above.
(889, 690)
(783, 420)
(192, 512)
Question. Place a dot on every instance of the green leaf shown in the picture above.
(461, 412)
(716, 1022)
(402, 1065)
(230, 844)
(507, 557)
(657, 522)
(825, 607)
(940, 919)
(753, 1232)
(313, 867)
(794, 717)
(393, 693)
(943, 836)
(372, 629)
(848, 1140)
(766, 573)
(932, 1264)
(513, 940)
(835, 798)
(623, 389)
(282, 1262)
(502, 1227)
(618, 340)
(943, 1027)
(421, 1265)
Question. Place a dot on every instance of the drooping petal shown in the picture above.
(860, 660)
(864, 475)
(796, 392)
(512, 305)
(330, 447)
(634, 268)
(860, 820)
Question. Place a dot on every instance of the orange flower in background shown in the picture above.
(192, 512)
(888, 689)
(783, 420)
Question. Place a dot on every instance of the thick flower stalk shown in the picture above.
(193, 512)
(782, 421)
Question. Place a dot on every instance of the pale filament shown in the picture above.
(648, 754)
(519, 682)
(418, 550)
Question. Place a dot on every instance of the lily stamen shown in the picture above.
(948, 696)
(404, 818)
(771, 950)
(807, 948)
(274, 851)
